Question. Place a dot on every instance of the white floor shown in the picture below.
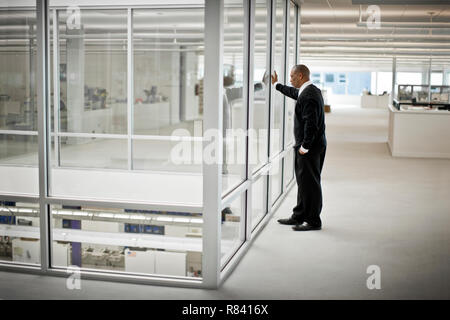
(378, 210)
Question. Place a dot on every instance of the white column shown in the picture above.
(212, 121)
(394, 79)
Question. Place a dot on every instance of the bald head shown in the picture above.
(302, 69)
(299, 75)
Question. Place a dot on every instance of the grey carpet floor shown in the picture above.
(390, 212)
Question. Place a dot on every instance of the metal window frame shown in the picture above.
(56, 86)
(213, 274)
(249, 62)
(212, 120)
(242, 190)
(43, 89)
(288, 145)
(273, 157)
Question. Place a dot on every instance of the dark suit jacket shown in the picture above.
(309, 121)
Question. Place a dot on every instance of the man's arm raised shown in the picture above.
(288, 91)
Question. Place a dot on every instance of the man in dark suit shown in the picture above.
(310, 147)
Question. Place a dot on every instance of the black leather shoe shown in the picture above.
(305, 226)
(288, 221)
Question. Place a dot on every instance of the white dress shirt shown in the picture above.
(307, 83)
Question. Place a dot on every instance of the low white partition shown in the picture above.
(375, 101)
(151, 187)
(419, 134)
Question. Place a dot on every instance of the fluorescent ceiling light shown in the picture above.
(106, 215)
(413, 25)
(164, 219)
(137, 217)
(182, 220)
(81, 213)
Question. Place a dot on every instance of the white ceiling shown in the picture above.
(331, 30)
(336, 30)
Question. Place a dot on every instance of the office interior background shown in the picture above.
(98, 99)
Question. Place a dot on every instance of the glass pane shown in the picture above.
(292, 35)
(437, 78)
(232, 232)
(95, 157)
(18, 101)
(173, 156)
(289, 167)
(261, 78)
(93, 70)
(132, 241)
(259, 203)
(168, 70)
(290, 103)
(234, 108)
(18, 149)
(384, 82)
(93, 153)
(275, 180)
(409, 77)
(19, 232)
(277, 98)
(168, 88)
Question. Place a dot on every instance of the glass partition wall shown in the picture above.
(108, 157)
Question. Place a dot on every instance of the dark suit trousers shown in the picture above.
(308, 168)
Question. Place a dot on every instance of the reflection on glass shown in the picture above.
(18, 100)
(234, 108)
(259, 203)
(275, 178)
(132, 241)
(409, 77)
(18, 149)
(231, 232)
(94, 108)
(169, 157)
(18, 103)
(289, 167)
(437, 78)
(168, 87)
(292, 47)
(95, 153)
(277, 98)
(19, 232)
(93, 71)
(261, 78)
(168, 70)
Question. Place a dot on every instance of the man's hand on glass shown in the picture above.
(274, 77)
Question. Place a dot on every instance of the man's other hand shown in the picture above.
(274, 77)
(302, 150)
